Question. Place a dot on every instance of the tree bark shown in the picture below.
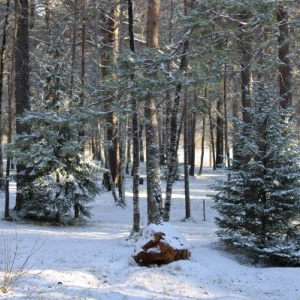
(202, 146)
(110, 34)
(212, 138)
(154, 194)
(186, 158)
(73, 49)
(220, 133)
(246, 46)
(135, 135)
(192, 144)
(141, 141)
(21, 78)
(2, 54)
(283, 55)
(226, 140)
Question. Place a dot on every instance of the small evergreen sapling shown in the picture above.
(259, 206)
(58, 176)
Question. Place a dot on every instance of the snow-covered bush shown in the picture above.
(57, 177)
(259, 204)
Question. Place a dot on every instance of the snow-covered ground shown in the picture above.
(94, 261)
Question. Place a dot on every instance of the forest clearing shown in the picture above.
(92, 260)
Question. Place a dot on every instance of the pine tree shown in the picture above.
(57, 176)
(259, 204)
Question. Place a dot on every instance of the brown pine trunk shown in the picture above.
(110, 34)
(283, 55)
(135, 135)
(154, 195)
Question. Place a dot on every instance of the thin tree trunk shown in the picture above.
(73, 49)
(283, 55)
(202, 146)
(186, 158)
(226, 117)
(122, 154)
(246, 46)
(135, 135)
(83, 38)
(212, 138)
(174, 134)
(192, 144)
(220, 133)
(21, 78)
(128, 151)
(83, 41)
(141, 141)
(174, 138)
(10, 92)
(2, 54)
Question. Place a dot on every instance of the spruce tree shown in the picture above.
(259, 203)
(57, 176)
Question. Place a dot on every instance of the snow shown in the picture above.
(94, 260)
(172, 237)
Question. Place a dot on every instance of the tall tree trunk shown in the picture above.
(74, 40)
(135, 135)
(226, 117)
(172, 152)
(2, 54)
(141, 140)
(192, 144)
(21, 78)
(83, 41)
(162, 141)
(246, 45)
(220, 133)
(174, 133)
(212, 138)
(283, 55)
(154, 194)
(202, 146)
(82, 77)
(186, 157)
(10, 91)
(128, 145)
(111, 40)
(122, 154)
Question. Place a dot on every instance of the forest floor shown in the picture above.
(93, 260)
